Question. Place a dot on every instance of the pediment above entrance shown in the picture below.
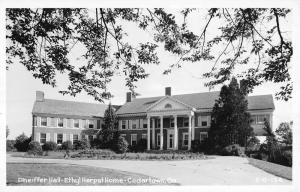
(168, 104)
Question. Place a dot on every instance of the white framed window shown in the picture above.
(69, 123)
(260, 118)
(185, 139)
(53, 122)
(76, 123)
(75, 138)
(60, 122)
(171, 122)
(91, 124)
(123, 124)
(133, 139)
(158, 139)
(203, 136)
(84, 123)
(44, 121)
(204, 121)
(59, 139)
(43, 138)
(145, 123)
(186, 122)
(144, 136)
(134, 124)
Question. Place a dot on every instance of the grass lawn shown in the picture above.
(63, 174)
(275, 169)
(51, 154)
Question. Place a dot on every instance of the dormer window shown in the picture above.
(168, 106)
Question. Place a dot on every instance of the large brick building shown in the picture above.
(183, 118)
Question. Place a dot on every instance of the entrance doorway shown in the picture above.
(170, 139)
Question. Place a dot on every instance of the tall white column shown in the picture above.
(190, 132)
(161, 133)
(153, 133)
(175, 133)
(148, 133)
(193, 127)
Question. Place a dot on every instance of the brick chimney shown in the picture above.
(39, 96)
(168, 91)
(128, 97)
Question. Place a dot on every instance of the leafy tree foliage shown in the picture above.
(81, 144)
(43, 39)
(10, 145)
(22, 142)
(285, 134)
(273, 149)
(230, 120)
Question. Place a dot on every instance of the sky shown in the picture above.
(21, 86)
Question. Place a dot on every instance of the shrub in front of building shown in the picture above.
(22, 143)
(201, 146)
(81, 145)
(121, 145)
(10, 145)
(34, 148)
(49, 146)
(141, 145)
(67, 145)
(233, 150)
(108, 154)
(96, 143)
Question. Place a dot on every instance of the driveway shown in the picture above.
(218, 170)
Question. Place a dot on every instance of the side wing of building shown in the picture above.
(59, 121)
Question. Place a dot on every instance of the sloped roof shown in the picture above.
(58, 107)
(205, 100)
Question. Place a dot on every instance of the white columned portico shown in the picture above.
(161, 133)
(153, 133)
(190, 132)
(148, 132)
(175, 133)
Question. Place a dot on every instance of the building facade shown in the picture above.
(59, 121)
(166, 122)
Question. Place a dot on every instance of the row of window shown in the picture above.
(64, 122)
(60, 138)
(260, 119)
(203, 121)
(185, 138)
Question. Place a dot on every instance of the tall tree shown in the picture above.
(109, 129)
(230, 120)
(285, 134)
(273, 149)
(256, 39)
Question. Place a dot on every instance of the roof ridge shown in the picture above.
(177, 95)
(74, 101)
